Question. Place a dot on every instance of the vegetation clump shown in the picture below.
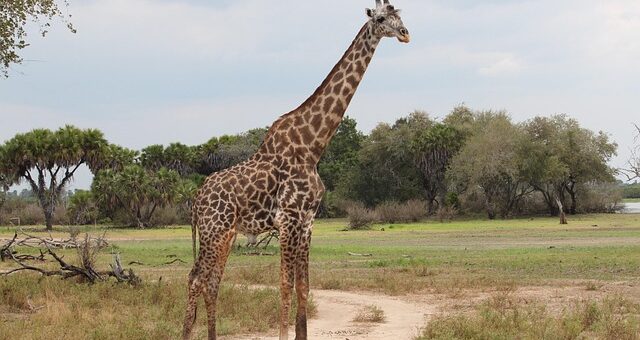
(503, 317)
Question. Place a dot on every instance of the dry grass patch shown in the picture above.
(506, 317)
(50, 308)
(372, 314)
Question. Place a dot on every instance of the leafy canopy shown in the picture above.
(14, 16)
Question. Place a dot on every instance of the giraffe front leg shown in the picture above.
(302, 285)
(287, 274)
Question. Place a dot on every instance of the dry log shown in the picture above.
(356, 254)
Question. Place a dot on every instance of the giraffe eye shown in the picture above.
(380, 20)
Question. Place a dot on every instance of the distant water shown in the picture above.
(631, 208)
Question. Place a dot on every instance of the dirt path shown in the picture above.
(405, 315)
(336, 311)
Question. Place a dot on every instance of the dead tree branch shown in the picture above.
(87, 251)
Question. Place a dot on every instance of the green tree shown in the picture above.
(385, 170)
(136, 190)
(82, 208)
(433, 149)
(341, 154)
(178, 157)
(563, 157)
(489, 161)
(220, 153)
(14, 16)
(48, 160)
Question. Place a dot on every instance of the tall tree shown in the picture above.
(14, 16)
(489, 161)
(563, 157)
(385, 169)
(434, 147)
(220, 153)
(47, 160)
(137, 190)
(633, 169)
(341, 154)
(177, 157)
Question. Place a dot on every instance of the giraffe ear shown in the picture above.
(369, 12)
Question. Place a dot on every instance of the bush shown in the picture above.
(631, 190)
(360, 217)
(413, 210)
(446, 213)
(409, 211)
(167, 216)
(389, 212)
(31, 214)
(332, 206)
(600, 198)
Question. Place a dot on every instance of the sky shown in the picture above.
(161, 71)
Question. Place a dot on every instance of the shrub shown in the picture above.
(360, 217)
(31, 214)
(332, 206)
(409, 211)
(446, 213)
(413, 210)
(166, 216)
(389, 212)
(371, 314)
(600, 198)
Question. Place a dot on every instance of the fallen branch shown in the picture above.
(356, 254)
(41, 242)
(87, 251)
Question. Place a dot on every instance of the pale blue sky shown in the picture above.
(160, 71)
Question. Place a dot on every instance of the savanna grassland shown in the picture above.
(480, 274)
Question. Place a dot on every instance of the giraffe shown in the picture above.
(279, 188)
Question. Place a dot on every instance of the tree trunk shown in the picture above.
(48, 216)
(563, 217)
(574, 203)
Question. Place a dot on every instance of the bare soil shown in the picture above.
(406, 315)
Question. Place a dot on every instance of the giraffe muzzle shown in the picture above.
(406, 38)
(403, 35)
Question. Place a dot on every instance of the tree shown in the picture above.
(633, 169)
(433, 149)
(82, 208)
(562, 157)
(341, 154)
(42, 156)
(14, 16)
(176, 156)
(385, 169)
(136, 190)
(489, 161)
(220, 153)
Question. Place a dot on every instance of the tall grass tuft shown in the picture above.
(505, 317)
(49, 308)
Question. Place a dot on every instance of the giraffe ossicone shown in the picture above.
(278, 188)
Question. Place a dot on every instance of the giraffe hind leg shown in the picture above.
(192, 303)
(216, 259)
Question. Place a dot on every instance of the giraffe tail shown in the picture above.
(194, 231)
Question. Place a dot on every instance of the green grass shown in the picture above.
(48, 308)
(430, 256)
(631, 200)
(505, 317)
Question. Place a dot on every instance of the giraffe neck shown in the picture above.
(303, 134)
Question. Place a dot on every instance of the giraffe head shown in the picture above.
(386, 22)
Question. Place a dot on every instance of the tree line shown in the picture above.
(470, 161)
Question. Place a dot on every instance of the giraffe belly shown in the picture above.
(256, 223)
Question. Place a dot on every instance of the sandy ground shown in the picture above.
(336, 311)
(406, 315)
